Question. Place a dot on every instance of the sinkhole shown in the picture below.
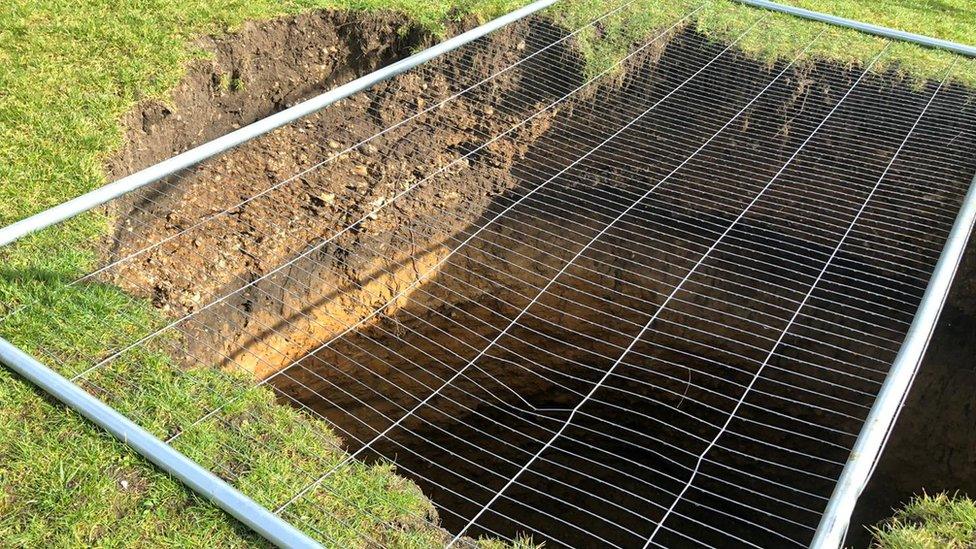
(554, 310)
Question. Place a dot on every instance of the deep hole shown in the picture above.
(476, 435)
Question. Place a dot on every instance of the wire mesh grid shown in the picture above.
(646, 305)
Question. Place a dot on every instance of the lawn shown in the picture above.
(68, 71)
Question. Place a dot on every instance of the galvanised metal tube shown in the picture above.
(195, 155)
(927, 41)
(874, 433)
(201, 481)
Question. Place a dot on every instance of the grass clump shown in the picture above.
(929, 522)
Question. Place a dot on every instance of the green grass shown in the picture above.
(939, 521)
(68, 71)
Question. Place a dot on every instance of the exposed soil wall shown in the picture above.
(288, 315)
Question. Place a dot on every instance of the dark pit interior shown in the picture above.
(644, 427)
